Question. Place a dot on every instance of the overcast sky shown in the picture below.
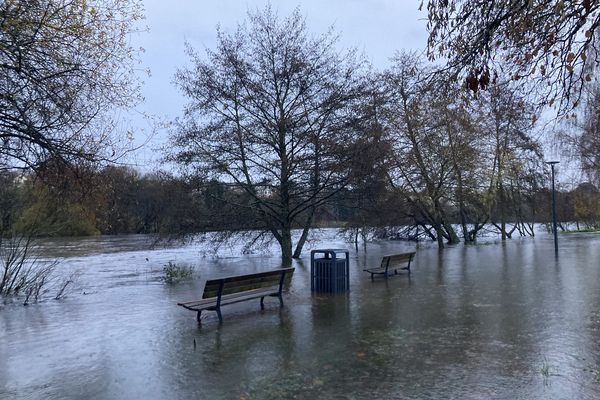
(378, 28)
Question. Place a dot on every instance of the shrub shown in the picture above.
(174, 273)
(22, 273)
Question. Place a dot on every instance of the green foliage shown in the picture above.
(49, 214)
(585, 201)
(10, 200)
(175, 273)
(545, 369)
(595, 371)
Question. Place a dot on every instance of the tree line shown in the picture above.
(120, 200)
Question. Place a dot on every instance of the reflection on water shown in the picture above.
(490, 321)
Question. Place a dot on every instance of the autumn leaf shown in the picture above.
(472, 83)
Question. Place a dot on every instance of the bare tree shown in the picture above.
(367, 199)
(65, 65)
(587, 142)
(267, 112)
(423, 168)
(514, 168)
(460, 118)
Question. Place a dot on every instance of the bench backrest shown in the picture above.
(397, 259)
(243, 283)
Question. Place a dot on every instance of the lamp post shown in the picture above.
(552, 163)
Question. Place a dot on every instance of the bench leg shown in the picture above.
(372, 276)
(218, 310)
(199, 316)
(280, 300)
(262, 303)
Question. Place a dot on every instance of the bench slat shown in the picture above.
(228, 299)
(235, 278)
(212, 290)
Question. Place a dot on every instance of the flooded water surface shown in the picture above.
(493, 321)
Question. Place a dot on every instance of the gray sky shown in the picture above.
(378, 28)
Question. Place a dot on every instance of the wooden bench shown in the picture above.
(394, 263)
(234, 289)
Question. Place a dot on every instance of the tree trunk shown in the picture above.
(452, 236)
(464, 226)
(363, 235)
(304, 236)
(439, 236)
(286, 247)
(502, 199)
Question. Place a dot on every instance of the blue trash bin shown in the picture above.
(330, 273)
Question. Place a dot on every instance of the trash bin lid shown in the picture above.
(330, 251)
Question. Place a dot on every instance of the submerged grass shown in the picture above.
(175, 273)
(545, 369)
(595, 371)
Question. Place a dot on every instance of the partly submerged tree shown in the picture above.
(267, 113)
(512, 173)
(423, 122)
(552, 43)
(65, 66)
